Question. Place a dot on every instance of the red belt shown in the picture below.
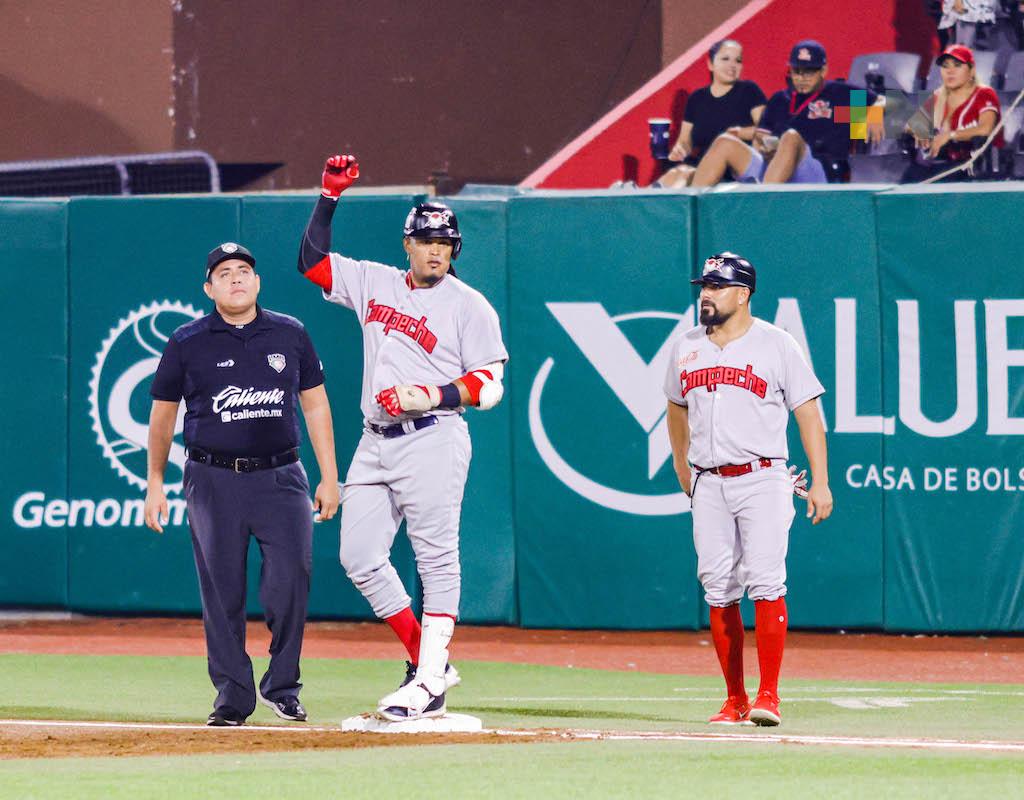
(733, 470)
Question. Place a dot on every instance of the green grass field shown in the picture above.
(168, 689)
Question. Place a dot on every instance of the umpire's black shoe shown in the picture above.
(286, 708)
(225, 717)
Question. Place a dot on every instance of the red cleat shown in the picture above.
(734, 712)
(766, 710)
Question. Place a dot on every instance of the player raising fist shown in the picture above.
(431, 346)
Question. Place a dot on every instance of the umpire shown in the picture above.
(242, 370)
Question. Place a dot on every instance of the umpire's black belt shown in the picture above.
(246, 463)
(402, 428)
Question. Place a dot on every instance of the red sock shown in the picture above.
(407, 628)
(727, 634)
(770, 622)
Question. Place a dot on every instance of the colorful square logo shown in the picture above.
(859, 114)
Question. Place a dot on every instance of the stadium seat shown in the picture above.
(869, 168)
(1014, 78)
(984, 63)
(899, 70)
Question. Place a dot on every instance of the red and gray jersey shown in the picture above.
(738, 397)
(414, 335)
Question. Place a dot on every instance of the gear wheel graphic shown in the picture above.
(129, 322)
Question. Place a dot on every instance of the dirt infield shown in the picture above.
(58, 742)
(853, 656)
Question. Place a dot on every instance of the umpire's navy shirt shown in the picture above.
(240, 383)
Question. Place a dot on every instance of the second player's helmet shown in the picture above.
(728, 269)
(434, 221)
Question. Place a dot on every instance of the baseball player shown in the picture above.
(431, 347)
(731, 383)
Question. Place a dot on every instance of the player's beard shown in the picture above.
(711, 317)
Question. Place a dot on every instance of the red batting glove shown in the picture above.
(388, 399)
(340, 172)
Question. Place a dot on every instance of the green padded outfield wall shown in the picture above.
(33, 396)
(598, 288)
(487, 546)
(953, 331)
(136, 274)
(815, 254)
(572, 516)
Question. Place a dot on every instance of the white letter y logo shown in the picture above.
(636, 384)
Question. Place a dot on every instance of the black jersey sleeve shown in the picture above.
(316, 240)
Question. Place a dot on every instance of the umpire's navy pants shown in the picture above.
(224, 508)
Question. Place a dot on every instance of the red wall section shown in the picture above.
(768, 29)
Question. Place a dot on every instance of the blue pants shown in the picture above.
(224, 509)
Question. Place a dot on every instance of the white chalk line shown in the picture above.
(841, 741)
(580, 735)
(901, 690)
(717, 698)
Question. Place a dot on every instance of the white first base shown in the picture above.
(448, 723)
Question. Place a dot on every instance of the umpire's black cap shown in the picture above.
(226, 251)
(728, 269)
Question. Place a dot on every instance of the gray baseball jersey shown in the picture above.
(414, 336)
(419, 336)
(738, 397)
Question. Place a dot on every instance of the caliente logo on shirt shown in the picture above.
(251, 401)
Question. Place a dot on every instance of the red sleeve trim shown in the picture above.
(320, 274)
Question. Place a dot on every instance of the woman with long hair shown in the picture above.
(960, 110)
(726, 104)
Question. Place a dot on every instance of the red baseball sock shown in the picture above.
(407, 628)
(770, 622)
(727, 634)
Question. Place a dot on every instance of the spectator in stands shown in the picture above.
(726, 104)
(934, 10)
(798, 139)
(961, 110)
(967, 18)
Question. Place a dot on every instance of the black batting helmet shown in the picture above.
(728, 269)
(434, 221)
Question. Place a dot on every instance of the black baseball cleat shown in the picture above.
(286, 708)
(225, 717)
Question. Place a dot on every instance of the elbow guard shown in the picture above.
(484, 385)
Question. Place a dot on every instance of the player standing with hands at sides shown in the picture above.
(242, 371)
(731, 383)
(431, 346)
